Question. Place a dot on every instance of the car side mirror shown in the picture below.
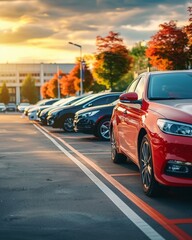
(129, 97)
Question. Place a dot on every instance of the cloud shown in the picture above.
(53, 23)
(14, 9)
(105, 5)
(24, 33)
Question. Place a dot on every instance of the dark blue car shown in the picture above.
(95, 120)
(63, 118)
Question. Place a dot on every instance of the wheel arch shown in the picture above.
(142, 133)
(101, 118)
(67, 114)
(64, 117)
(98, 124)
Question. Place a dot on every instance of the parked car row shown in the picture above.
(149, 124)
(64, 117)
(12, 107)
(60, 113)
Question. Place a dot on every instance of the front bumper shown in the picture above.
(53, 122)
(32, 116)
(172, 159)
(84, 125)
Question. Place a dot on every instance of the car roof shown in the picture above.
(168, 72)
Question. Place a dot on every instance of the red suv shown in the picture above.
(152, 126)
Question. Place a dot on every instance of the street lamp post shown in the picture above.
(81, 68)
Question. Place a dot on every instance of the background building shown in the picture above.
(14, 75)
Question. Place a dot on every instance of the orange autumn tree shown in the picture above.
(68, 85)
(44, 90)
(53, 84)
(188, 30)
(71, 83)
(53, 87)
(87, 76)
(167, 49)
(50, 88)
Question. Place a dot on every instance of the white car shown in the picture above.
(2, 107)
(21, 107)
(32, 113)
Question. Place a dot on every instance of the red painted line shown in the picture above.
(124, 174)
(158, 217)
(181, 221)
(154, 214)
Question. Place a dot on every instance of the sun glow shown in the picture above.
(11, 25)
(30, 54)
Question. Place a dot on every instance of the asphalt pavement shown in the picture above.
(58, 186)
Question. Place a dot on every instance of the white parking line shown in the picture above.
(127, 211)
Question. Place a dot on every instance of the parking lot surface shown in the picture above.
(55, 185)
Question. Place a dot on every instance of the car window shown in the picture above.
(51, 102)
(140, 87)
(84, 99)
(102, 100)
(131, 87)
(169, 86)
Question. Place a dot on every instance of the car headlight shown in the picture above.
(89, 114)
(175, 128)
(52, 114)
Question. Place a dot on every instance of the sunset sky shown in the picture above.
(33, 31)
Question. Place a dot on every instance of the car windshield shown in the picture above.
(84, 100)
(170, 86)
(61, 101)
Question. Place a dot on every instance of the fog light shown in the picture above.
(179, 168)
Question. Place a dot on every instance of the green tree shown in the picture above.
(4, 94)
(124, 82)
(140, 61)
(97, 87)
(29, 90)
(113, 60)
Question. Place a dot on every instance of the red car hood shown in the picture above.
(178, 110)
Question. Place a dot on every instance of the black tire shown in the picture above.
(116, 157)
(150, 185)
(103, 129)
(68, 124)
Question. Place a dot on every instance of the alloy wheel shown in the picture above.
(146, 164)
(68, 124)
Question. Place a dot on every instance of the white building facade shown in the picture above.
(15, 74)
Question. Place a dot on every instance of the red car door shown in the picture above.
(132, 115)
